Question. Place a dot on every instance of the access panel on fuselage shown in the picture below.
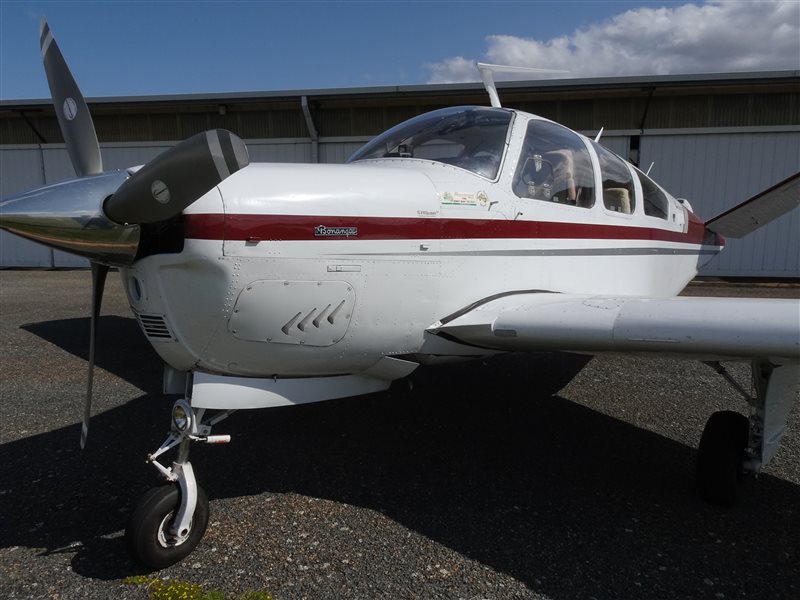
(315, 313)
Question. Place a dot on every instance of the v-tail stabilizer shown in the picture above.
(759, 210)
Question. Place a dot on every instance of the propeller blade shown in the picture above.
(173, 180)
(99, 273)
(71, 110)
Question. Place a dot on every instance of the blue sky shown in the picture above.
(140, 48)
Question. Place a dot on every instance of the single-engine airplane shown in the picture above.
(460, 233)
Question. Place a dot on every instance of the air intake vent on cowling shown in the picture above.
(155, 327)
(311, 313)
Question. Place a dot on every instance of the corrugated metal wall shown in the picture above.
(717, 171)
(714, 171)
(617, 144)
(339, 152)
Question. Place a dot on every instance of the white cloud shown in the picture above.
(690, 38)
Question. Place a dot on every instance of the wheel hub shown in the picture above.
(166, 538)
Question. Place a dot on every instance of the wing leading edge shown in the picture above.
(695, 327)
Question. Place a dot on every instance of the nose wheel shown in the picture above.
(170, 520)
(151, 535)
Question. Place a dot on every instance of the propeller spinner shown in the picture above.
(98, 214)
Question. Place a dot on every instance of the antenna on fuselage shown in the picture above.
(487, 75)
(650, 167)
(599, 133)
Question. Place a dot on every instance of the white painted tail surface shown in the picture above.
(759, 210)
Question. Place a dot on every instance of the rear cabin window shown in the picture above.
(618, 190)
(554, 166)
(654, 200)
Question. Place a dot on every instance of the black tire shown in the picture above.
(720, 456)
(147, 534)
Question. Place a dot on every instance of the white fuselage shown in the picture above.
(310, 270)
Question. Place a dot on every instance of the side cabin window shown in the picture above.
(554, 166)
(618, 191)
(654, 200)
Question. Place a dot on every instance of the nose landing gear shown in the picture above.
(169, 520)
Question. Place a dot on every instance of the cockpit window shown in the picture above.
(554, 166)
(469, 137)
(654, 199)
(618, 191)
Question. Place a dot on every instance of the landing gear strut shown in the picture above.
(169, 520)
(733, 445)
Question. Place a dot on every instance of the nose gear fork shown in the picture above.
(183, 473)
(169, 521)
(187, 427)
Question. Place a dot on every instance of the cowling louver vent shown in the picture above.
(312, 313)
(155, 327)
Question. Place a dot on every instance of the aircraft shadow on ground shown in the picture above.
(121, 347)
(487, 460)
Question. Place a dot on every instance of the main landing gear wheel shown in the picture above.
(150, 541)
(720, 457)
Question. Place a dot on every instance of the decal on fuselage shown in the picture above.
(323, 231)
(458, 199)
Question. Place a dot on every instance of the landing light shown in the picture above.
(181, 416)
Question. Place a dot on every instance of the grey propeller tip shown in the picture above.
(45, 38)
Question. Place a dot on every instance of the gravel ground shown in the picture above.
(525, 476)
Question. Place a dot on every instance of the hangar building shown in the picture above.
(713, 139)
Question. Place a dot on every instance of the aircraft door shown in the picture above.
(554, 167)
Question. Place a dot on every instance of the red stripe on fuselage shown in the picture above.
(239, 227)
(204, 227)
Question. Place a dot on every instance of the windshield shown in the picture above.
(469, 137)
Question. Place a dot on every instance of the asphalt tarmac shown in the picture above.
(523, 476)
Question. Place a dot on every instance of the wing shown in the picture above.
(696, 327)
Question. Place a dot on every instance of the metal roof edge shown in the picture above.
(694, 79)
